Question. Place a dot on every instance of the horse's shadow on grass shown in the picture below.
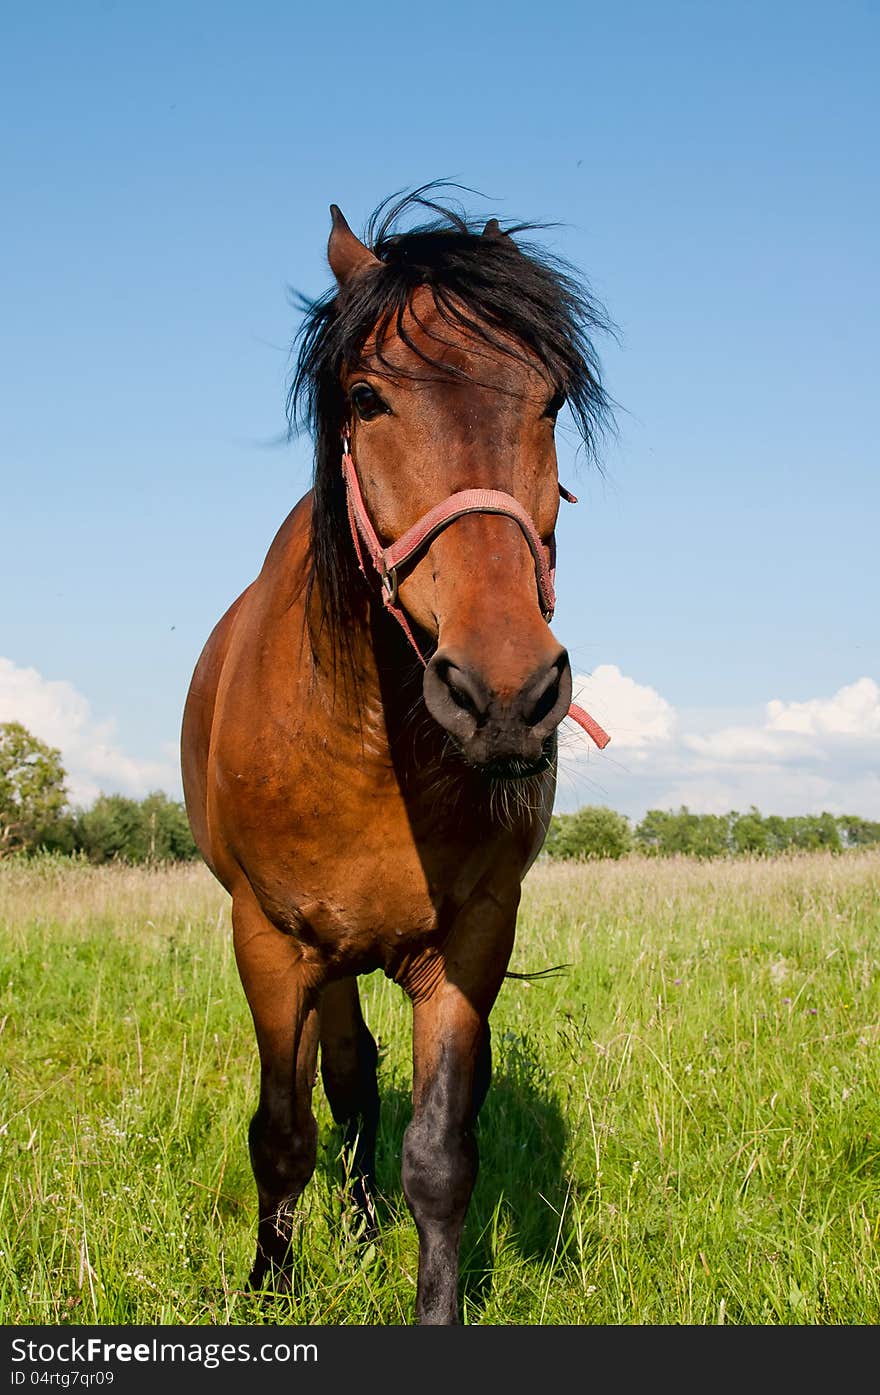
(520, 1193)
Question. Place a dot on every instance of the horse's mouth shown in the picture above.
(510, 768)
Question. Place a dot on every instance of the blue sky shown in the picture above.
(167, 172)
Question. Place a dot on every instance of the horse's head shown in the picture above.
(464, 350)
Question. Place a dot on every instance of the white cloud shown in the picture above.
(798, 758)
(852, 711)
(639, 716)
(818, 730)
(56, 712)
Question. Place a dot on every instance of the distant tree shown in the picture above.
(599, 832)
(654, 833)
(167, 833)
(778, 833)
(696, 835)
(813, 831)
(749, 832)
(856, 832)
(33, 793)
(118, 829)
(111, 829)
(592, 832)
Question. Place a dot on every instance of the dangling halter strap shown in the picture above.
(389, 561)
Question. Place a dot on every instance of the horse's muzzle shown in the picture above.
(497, 732)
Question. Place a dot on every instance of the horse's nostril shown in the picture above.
(546, 700)
(456, 698)
(466, 692)
(462, 697)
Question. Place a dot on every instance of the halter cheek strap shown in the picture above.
(389, 561)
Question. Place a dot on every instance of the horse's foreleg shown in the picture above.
(451, 1070)
(283, 1135)
(348, 1070)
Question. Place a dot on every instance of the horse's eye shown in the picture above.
(367, 403)
(555, 405)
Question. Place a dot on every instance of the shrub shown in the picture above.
(592, 832)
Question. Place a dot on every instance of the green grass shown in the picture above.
(684, 1127)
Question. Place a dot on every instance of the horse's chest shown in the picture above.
(374, 892)
(363, 868)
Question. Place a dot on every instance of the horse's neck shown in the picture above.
(377, 711)
(370, 679)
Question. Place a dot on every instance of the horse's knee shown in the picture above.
(282, 1158)
(439, 1169)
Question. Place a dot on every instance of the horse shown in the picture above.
(369, 739)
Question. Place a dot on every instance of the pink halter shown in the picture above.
(388, 561)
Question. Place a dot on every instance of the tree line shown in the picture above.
(36, 813)
(597, 832)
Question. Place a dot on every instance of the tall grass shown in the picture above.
(683, 1126)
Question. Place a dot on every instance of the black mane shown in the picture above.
(481, 283)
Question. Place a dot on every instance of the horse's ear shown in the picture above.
(495, 233)
(347, 255)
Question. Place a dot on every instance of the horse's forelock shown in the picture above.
(485, 284)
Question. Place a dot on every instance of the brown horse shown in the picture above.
(369, 740)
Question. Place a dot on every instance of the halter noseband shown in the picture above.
(389, 561)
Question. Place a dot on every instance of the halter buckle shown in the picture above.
(389, 586)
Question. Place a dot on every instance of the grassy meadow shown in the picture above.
(683, 1126)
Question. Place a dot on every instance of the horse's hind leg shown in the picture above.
(283, 1133)
(348, 1070)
